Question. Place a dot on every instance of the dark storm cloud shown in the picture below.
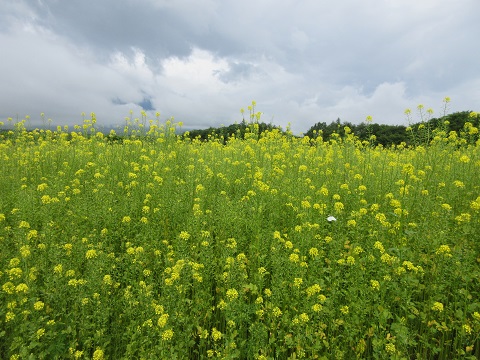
(238, 71)
(107, 25)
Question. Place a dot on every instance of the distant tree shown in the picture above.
(226, 132)
(387, 135)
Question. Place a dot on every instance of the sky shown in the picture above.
(201, 61)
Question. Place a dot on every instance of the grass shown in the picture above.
(163, 248)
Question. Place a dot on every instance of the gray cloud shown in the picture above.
(202, 60)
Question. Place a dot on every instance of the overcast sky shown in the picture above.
(202, 60)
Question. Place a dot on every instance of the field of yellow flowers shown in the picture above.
(270, 247)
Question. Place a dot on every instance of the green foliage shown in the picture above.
(224, 133)
(387, 135)
(267, 247)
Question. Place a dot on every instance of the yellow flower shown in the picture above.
(358, 250)
(306, 204)
(24, 224)
(40, 333)
(437, 306)
(58, 269)
(232, 294)
(313, 252)
(42, 187)
(107, 280)
(446, 207)
(38, 305)
(344, 310)
(297, 282)
(338, 206)
(304, 317)
(294, 258)
(379, 246)
(167, 335)
(390, 348)
(231, 243)
(159, 309)
(444, 249)
(31, 234)
(351, 223)
(9, 316)
(98, 354)
(222, 305)
(68, 248)
(162, 320)
(464, 158)
(126, 219)
(12, 305)
(312, 290)
(464, 217)
(184, 235)
(467, 329)
(475, 205)
(322, 298)
(14, 273)
(216, 335)
(14, 262)
(21, 288)
(409, 265)
(91, 254)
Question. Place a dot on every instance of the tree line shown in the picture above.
(387, 135)
(377, 134)
(223, 133)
